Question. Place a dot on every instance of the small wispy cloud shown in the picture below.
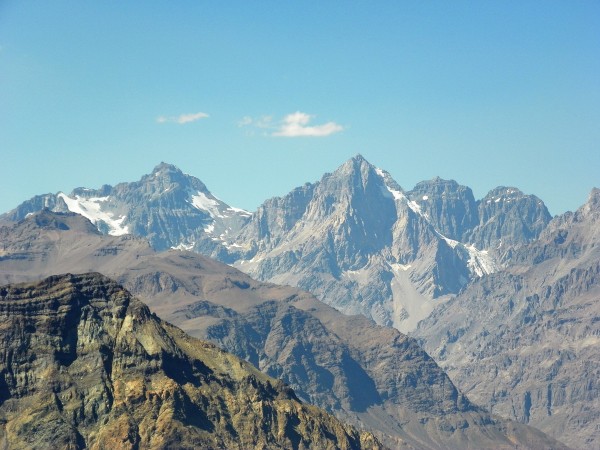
(297, 124)
(264, 122)
(183, 118)
(293, 125)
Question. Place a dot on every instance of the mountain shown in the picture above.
(168, 207)
(451, 208)
(525, 341)
(367, 375)
(355, 238)
(86, 365)
(504, 217)
(362, 244)
(508, 217)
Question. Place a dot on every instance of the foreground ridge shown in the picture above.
(85, 365)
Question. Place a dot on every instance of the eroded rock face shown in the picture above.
(450, 207)
(85, 365)
(507, 217)
(525, 341)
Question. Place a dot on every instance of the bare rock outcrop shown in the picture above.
(83, 364)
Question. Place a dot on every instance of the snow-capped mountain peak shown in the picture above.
(168, 207)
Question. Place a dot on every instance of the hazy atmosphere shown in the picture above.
(255, 98)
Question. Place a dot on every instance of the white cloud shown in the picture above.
(292, 125)
(297, 124)
(183, 118)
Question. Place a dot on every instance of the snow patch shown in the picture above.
(451, 242)
(415, 207)
(390, 192)
(380, 172)
(241, 211)
(202, 202)
(91, 209)
(387, 190)
(400, 267)
(480, 262)
(425, 197)
(183, 246)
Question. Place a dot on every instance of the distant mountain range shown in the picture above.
(504, 296)
(355, 239)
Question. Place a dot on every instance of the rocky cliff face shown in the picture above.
(508, 217)
(450, 207)
(524, 341)
(85, 365)
(371, 376)
(504, 217)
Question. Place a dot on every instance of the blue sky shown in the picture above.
(255, 98)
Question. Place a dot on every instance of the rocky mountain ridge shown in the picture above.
(85, 365)
(362, 244)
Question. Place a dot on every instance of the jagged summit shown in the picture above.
(503, 192)
(507, 216)
(165, 167)
(357, 241)
(166, 178)
(171, 173)
(359, 157)
(530, 332)
(170, 208)
(450, 207)
(592, 206)
(436, 182)
(357, 172)
(355, 164)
